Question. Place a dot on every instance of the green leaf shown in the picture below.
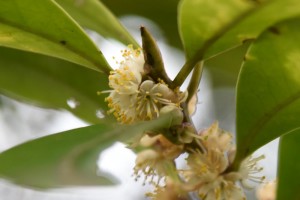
(68, 158)
(52, 161)
(50, 82)
(43, 27)
(201, 22)
(219, 25)
(93, 15)
(289, 166)
(267, 13)
(206, 34)
(225, 67)
(163, 13)
(268, 91)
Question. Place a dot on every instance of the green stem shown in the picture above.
(188, 119)
(195, 81)
(183, 73)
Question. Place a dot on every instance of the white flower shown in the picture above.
(122, 106)
(151, 98)
(132, 99)
(127, 78)
(125, 82)
(232, 192)
(156, 158)
(216, 138)
(147, 163)
(172, 190)
(250, 171)
(205, 176)
(206, 173)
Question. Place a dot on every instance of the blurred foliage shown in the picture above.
(92, 14)
(163, 13)
(50, 82)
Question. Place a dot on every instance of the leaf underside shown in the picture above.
(50, 82)
(69, 158)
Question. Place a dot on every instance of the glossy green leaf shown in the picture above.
(68, 158)
(268, 91)
(201, 22)
(163, 13)
(267, 13)
(206, 34)
(93, 15)
(219, 25)
(289, 166)
(50, 82)
(43, 27)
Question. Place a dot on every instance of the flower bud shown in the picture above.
(187, 134)
(177, 115)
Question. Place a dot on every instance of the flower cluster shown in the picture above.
(135, 97)
(206, 173)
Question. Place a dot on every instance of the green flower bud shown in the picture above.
(176, 112)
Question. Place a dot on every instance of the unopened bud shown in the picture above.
(177, 115)
(187, 135)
